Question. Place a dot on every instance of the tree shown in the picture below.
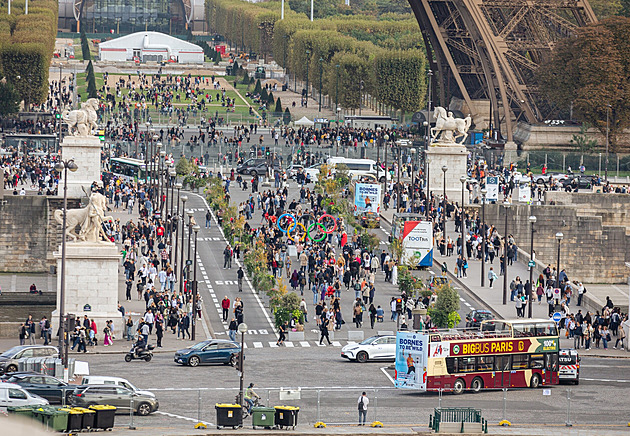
(9, 100)
(592, 71)
(278, 109)
(582, 142)
(258, 87)
(183, 167)
(270, 99)
(444, 314)
(286, 118)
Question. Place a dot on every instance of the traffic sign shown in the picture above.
(531, 263)
(556, 292)
(557, 317)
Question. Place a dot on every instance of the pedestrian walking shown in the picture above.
(225, 305)
(363, 402)
(282, 332)
(324, 329)
(240, 275)
(232, 329)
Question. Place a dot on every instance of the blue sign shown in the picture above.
(557, 317)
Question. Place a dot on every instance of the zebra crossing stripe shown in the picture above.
(304, 344)
(288, 344)
(258, 345)
(273, 345)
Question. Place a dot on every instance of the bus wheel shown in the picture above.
(535, 381)
(459, 386)
(476, 385)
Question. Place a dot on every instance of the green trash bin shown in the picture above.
(56, 420)
(75, 419)
(263, 417)
(39, 414)
(87, 423)
(105, 415)
(26, 411)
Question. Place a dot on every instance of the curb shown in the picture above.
(385, 219)
(162, 351)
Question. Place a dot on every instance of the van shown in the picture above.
(115, 381)
(569, 366)
(358, 167)
(12, 395)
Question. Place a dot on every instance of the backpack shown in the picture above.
(361, 404)
(357, 286)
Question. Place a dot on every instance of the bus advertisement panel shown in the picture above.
(367, 198)
(411, 360)
(417, 243)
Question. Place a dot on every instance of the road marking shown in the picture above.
(258, 345)
(304, 344)
(252, 332)
(336, 344)
(172, 415)
(273, 345)
(263, 332)
(384, 370)
(288, 344)
(605, 380)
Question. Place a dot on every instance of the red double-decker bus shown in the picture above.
(501, 354)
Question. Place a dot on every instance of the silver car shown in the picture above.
(123, 399)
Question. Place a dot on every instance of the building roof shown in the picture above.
(137, 40)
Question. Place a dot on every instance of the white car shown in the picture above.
(15, 395)
(373, 348)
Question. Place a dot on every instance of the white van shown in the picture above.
(14, 395)
(358, 167)
(116, 381)
(569, 366)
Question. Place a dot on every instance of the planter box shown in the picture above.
(356, 336)
(296, 336)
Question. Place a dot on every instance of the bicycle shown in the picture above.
(245, 406)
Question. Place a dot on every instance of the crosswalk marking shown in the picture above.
(258, 345)
(304, 344)
(273, 345)
(288, 344)
(252, 332)
(336, 344)
(263, 332)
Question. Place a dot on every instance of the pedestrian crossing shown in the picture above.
(293, 344)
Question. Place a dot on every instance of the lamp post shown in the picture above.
(386, 138)
(506, 206)
(398, 188)
(608, 107)
(444, 170)
(559, 238)
(190, 214)
(175, 221)
(532, 221)
(308, 61)
(196, 229)
(181, 259)
(337, 91)
(321, 71)
(242, 329)
(64, 166)
(484, 191)
(161, 178)
(463, 179)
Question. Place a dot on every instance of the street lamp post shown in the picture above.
(161, 178)
(608, 107)
(444, 170)
(463, 179)
(190, 214)
(308, 61)
(321, 71)
(64, 166)
(559, 237)
(242, 329)
(386, 138)
(484, 191)
(532, 221)
(181, 260)
(398, 188)
(337, 91)
(506, 206)
(196, 229)
(175, 219)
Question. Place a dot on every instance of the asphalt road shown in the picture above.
(186, 393)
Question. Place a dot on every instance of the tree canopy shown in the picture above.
(592, 72)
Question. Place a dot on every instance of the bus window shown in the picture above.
(524, 330)
(520, 361)
(502, 363)
(485, 363)
(466, 364)
(536, 361)
(546, 329)
(451, 365)
(552, 362)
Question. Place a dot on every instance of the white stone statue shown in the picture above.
(82, 122)
(451, 128)
(89, 218)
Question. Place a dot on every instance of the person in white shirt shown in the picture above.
(362, 403)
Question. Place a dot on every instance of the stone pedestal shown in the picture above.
(455, 158)
(91, 284)
(86, 152)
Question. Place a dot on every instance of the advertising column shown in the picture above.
(411, 360)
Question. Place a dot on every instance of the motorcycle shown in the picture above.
(141, 353)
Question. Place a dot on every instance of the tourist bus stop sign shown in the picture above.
(557, 317)
(531, 263)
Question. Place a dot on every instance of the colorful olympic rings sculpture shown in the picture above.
(301, 237)
(321, 226)
(328, 232)
(292, 217)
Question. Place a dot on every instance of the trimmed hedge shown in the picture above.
(27, 43)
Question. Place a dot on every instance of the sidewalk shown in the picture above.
(493, 298)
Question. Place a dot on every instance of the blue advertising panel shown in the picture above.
(412, 352)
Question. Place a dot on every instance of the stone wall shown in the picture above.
(614, 209)
(591, 251)
(29, 233)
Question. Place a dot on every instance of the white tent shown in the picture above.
(304, 122)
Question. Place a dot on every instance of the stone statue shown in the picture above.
(89, 218)
(82, 122)
(451, 128)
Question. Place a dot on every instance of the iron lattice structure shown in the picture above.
(490, 49)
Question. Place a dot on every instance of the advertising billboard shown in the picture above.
(417, 243)
(492, 185)
(367, 198)
(411, 360)
(524, 193)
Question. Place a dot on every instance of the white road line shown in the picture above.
(251, 288)
(304, 344)
(336, 344)
(288, 344)
(273, 345)
(384, 370)
(172, 415)
(258, 345)
(605, 380)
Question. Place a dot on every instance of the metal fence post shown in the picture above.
(268, 391)
(375, 404)
(568, 423)
(131, 426)
(318, 410)
(199, 405)
(440, 398)
(504, 402)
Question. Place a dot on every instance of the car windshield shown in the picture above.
(484, 315)
(369, 340)
(198, 346)
(10, 352)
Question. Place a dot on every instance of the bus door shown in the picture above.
(503, 371)
(551, 369)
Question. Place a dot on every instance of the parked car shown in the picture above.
(578, 182)
(15, 395)
(474, 318)
(293, 170)
(115, 381)
(9, 359)
(50, 388)
(373, 348)
(569, 366)
(253, 166)
(112, 395)
(210, 351)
